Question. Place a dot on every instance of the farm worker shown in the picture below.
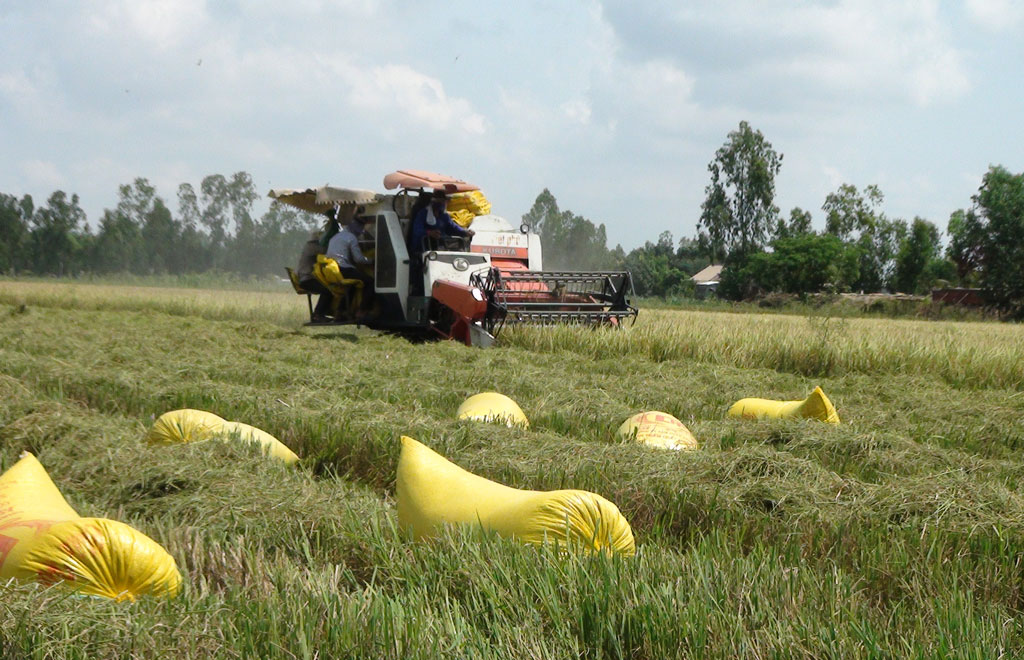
(309, 282)
(431, 222)
(344, 248)
(331, 227)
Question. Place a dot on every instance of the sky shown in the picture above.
(616, 107)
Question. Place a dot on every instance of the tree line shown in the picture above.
(215, 229)
(861, 249)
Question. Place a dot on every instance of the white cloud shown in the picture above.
(569, 96)
(20, 92)
(850, 51)
(41, 173)
(577, 110)
(656, 91)
(417, 95)
(36, 96)
(881, 49)
(995, 15)
(159, 23)
(833, 176)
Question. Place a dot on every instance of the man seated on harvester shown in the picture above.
(344, 248)
(429, 226)
(308, 281)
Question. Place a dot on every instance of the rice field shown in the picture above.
(899, 533)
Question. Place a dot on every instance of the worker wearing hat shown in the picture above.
(432, 222)
(344, 248)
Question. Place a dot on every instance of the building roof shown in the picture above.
(709, 274)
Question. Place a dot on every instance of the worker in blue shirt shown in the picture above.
(431, 222)
(434, 222)
(344, 249)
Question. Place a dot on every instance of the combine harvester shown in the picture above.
(472, 288)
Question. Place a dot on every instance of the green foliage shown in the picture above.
(734, 282)
(938, 272)
(915, 261)
(850, 213)
(118, 246)
(653, 274)
(738, 213)
(659, 269)
(854, 218)
(544, 207)
(216, 230)
(878, 254)
(966, 235)
(804, 263)
(134, 237)
(1000, 212)
(568, 241)
(15, 235)
(59, 235)
(798, 225)
(141, 236)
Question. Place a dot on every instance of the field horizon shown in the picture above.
(899, 533)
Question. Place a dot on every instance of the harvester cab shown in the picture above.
(456, 288)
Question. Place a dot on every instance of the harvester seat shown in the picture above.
(294, 278)
(347, 293)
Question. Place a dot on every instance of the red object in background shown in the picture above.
(966, 297)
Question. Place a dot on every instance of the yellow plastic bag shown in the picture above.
(473, 201)
(327, 271)
(433, 491)
(271, 445)
(43, 539)
(815, 406)
(658, 429)
(183, 426)
(463, 207)
(187, 425)
(462, 218)
(493, 407)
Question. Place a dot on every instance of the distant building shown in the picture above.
(705, 282)
(966, 297)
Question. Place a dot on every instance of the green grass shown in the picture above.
(970, 355)
(899, 533)
(837, 306)
(217, 280)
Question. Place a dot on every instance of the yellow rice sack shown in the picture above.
(187, 425)
(271, 445)
(433, 492)
(815, 406)
(43, 539)
(183, 426)
(658, 429)
(463, 207)
(492, 407)
(462, 218)
(474, 201)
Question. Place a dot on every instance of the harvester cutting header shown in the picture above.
(435, 261)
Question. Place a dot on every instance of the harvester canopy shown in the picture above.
(324, 198)
(422, 179)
